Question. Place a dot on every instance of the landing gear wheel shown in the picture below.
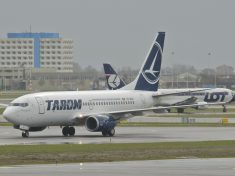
(104, 133)
(108, 133)
(111, 132)
(25, 134)
(180, 110)
(71, 131)
(65, 131)
(224, 108)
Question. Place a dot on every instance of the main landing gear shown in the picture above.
(107, 133)
(68, 131)
(224, 108)
(25, 134)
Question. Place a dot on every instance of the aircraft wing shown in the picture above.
(174, 92)
(134, 111)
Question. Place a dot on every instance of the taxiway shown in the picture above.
(177, 167)
(53, 135)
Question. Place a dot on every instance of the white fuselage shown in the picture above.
(60, 108)
(215, 95)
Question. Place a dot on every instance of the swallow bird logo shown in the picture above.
(114, 81)
(151, 75)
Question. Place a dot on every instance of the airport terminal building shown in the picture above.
(22, 54)
(36, 50)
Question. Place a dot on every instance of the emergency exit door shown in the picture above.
(41, 107)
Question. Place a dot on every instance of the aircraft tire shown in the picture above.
(224, 109)
(65, 131)
(71, 131)
(25, 134)
(104, 133)
(111, 132)
(180, 110)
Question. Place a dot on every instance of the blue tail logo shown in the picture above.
(150, 73)
(113, 80)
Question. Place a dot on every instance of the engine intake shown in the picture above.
(100, 123)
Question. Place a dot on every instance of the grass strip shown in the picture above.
(77, 153)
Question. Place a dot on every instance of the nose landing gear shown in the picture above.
(25, 134)
(68, 131)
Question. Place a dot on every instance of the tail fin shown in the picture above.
(148, 77)
(113, 79)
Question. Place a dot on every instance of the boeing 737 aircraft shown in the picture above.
(99, 110)
(216, 95)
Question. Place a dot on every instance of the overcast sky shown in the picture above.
(120, 31)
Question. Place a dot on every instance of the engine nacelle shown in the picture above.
(201, 106)
(100, 123)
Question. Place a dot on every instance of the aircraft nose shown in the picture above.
(233, 99)
(7, 114)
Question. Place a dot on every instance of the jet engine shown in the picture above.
(100, 123)
(201, 106)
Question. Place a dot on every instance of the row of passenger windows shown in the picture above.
(18, 41)
(18, 52)
(16, 63)
(107, 103)
(18, 57)
(56, 41)
(55, 47)
(17, 47)
(55, 57)
(56, 52)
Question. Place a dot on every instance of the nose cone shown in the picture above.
(7, 114)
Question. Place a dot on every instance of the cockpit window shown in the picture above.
(19, 104)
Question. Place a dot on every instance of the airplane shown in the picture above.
(97, 110)
(215, 95)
